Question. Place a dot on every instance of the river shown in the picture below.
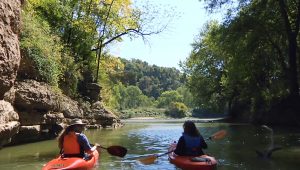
(234, 151)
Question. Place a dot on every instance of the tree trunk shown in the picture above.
(294, 86)
(292, 32)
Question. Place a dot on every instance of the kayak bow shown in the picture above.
(72, 163)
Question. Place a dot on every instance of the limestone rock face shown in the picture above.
(38, 98)
(9, 43)
(100, 115)
(42, 111)
(9, 125)
(33, 95)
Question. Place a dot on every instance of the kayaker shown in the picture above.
(73, 143)
(191, 142)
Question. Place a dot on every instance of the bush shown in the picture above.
(177, 110)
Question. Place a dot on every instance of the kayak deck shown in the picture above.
(72, 163)
(203, 162)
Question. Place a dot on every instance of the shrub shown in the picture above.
(177, 110)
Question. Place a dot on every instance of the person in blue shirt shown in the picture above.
(191, 142)
(73, 143)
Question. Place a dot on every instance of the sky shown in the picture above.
(173, 45)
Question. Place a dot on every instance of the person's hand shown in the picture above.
(97, 145)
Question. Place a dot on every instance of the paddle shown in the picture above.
(116, 150)
(150, 159)
(218, 135)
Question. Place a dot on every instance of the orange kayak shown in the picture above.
(72, 163)
(203, 162)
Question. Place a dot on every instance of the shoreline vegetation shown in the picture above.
(155, 119)
(160, 115)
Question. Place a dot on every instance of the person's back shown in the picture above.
(192, 145)
(191, 142)
(73, 143)
(71, 146)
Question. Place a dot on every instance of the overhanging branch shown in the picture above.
(135, 31)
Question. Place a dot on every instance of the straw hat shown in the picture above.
(76, 122)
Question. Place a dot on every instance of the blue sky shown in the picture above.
(174, 44)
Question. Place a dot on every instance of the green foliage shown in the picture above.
(152, 80)
(187, 96)
(168, 97)
(142, 112)
(61, 40)
(71, 75)
(246, 63)
(41, 47)
(177, 110)
(130, 97)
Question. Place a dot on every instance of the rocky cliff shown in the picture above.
(31, 110)
(9, 63)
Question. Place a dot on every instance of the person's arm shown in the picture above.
(96, 145)
(83, 140)
(180, 146)
(203, 144)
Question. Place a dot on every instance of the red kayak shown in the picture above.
(72, 163)
(203, 162)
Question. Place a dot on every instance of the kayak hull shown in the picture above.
(185, 162)
(72, 163)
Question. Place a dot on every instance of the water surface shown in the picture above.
(235, 151)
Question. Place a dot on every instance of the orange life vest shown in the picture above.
(70, 144)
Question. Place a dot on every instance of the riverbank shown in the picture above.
(154, 119)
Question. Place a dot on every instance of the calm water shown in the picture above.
(235, 151)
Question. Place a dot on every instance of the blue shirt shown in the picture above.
(84, 142)
(183, 148)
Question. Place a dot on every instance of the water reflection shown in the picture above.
(235, 151)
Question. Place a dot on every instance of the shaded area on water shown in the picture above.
(236, 151)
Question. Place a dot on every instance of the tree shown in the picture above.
(255, 49)
(130, 21)
(187, 96)
(205, 69)
(168, 97)
(289, 20)
(87, 26)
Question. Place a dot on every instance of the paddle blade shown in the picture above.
(148, 160)
(218, 135)
(117, 151)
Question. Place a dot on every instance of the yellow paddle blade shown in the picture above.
(219, 135)
(148, 160)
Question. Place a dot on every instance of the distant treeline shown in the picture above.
(151, 79)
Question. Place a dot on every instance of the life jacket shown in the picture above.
(71, 145)
(192, 145)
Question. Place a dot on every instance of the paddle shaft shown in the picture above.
(103, 147)
(164, 153)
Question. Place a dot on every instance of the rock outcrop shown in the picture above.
(9, 122)
(43, 112)
(31, 110)
(9, 63)
(9, 43)
(100, 116)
